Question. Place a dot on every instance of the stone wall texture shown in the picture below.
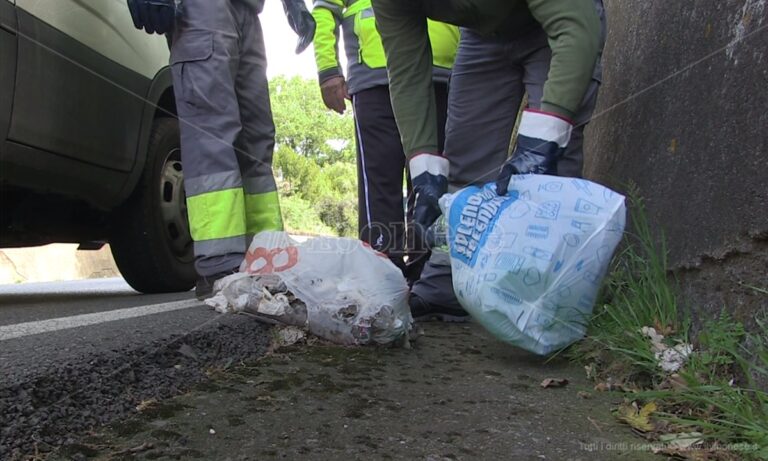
(683, 113)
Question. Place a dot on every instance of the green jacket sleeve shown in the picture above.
(403, 30)
(327, 14)
(573, 28)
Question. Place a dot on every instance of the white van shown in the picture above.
(89, 142)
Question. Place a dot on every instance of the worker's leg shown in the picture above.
(380, 169)
(204, 58)
(256, 142)
(484, 99)
(483, 102)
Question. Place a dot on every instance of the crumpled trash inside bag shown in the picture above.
(528, 265)
(337, 288)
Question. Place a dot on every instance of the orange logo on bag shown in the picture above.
(268, 261)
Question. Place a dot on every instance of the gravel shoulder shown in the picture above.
(456, 394)
(55, 388)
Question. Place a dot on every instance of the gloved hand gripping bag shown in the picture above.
(528, 265)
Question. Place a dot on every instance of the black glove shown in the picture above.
(154, 16)
(541, 140)
(429, 176)
(301, 21)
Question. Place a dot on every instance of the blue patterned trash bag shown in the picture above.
(528, 265)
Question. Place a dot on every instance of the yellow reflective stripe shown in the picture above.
(445, 41)
(443, 37)
(357, 7)
(216, 215)
(337, 6)
(262, 212)
(371, 50)
(325, 39)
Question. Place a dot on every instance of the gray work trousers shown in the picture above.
(218, 63)
(489, 80)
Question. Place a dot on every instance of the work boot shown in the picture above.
(423, 311)
(204, 285)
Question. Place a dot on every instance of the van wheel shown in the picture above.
(150, 237)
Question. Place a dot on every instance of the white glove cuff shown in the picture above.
(545, 126)
(433, 164)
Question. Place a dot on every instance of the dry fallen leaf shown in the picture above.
(607, 387)
(554, 382)
(584, 395)
(637, 418)
(666, 330)
(146, 405)
(602, 387)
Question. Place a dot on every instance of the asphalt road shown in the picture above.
(49, 323)
(76, 355)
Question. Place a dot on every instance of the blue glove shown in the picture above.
(541, 140)
(429, 176)
(301, 21)
(154, 16)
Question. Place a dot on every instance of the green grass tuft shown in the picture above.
(717, 392)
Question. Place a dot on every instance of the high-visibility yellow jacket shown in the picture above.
(366, 63)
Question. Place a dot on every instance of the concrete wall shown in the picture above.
(55, 262)
(683, 112)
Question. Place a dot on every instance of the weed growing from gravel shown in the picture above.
(709, 408)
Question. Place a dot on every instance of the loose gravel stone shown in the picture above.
(91, 391)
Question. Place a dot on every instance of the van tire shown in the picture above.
(149, 234)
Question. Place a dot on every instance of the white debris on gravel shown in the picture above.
(273, 305)
(289, 335)
(669, 359)
(219, 303)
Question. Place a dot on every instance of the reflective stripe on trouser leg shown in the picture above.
(217, 224)
(262, 213)
(217, 214)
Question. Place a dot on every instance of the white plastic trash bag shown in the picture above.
(528, 265)
(339, 289)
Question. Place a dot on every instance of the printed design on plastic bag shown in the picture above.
(473, 213)
(263, 260)
(528, 266)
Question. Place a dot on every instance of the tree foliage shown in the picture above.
(314, 160)
(304, 124)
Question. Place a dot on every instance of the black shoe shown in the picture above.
(204, 285)
(422, 311)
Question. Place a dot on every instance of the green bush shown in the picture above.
(314, 160)
(302, 218)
